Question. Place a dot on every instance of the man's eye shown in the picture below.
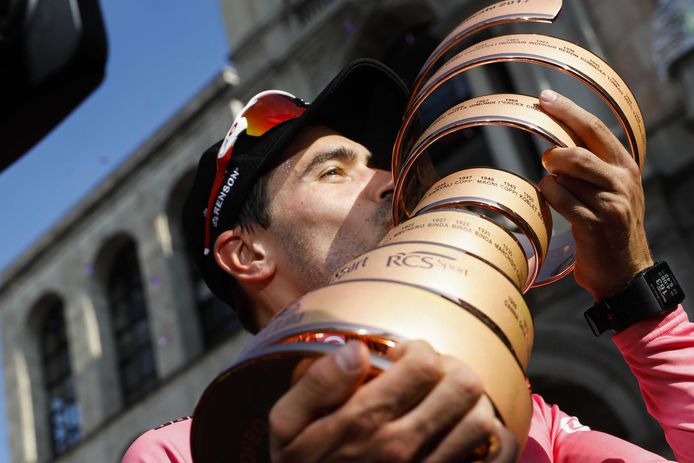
(331, 172)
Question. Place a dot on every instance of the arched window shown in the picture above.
(63, 413)
(130, 325)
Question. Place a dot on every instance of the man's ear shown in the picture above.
(243, 256)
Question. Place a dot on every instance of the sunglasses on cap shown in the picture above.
(263, 112)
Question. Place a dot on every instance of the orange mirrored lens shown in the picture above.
(269, 111)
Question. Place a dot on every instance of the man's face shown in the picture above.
(328, 205)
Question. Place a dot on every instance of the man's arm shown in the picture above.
(598, 190)
(660, 353)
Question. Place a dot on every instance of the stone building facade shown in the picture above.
(92, 359)
(106, 331)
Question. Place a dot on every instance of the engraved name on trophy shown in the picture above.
(454, 268)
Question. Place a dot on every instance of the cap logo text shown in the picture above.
(222, 195)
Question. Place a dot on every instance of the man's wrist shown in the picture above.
(652, 292)
(618, 281)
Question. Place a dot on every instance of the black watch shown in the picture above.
(652, 292)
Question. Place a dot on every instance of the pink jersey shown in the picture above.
(659, 352)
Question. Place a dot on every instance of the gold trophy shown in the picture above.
(453, 270)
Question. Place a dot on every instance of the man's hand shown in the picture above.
(598, 190)
(426, 407)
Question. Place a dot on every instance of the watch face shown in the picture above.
(664, 286)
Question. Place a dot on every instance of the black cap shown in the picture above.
(364, 102)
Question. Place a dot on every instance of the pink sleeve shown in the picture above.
(168, 443)
(556, 437)
(660, 353)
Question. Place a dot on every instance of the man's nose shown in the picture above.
(382, 186)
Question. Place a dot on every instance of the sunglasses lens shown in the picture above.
(269, 111)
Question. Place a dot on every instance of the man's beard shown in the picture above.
(350, 241)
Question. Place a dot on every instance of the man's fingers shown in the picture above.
(446, 405)
(417, 370)
(424, 407)
(565, 202)
(507, 446)
(470, 436)
(591, 130)
(364, 419)
(581, 164)
(327, 384)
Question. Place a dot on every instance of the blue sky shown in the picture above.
(161, 52)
